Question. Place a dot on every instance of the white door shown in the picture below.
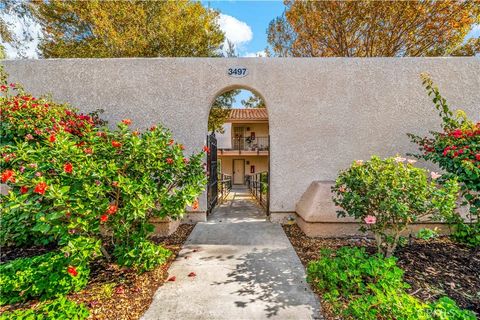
(238, 171)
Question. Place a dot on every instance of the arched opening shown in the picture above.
(239, 149)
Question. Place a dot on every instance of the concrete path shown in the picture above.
(245, 269)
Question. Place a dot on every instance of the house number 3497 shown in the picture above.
(237, 72)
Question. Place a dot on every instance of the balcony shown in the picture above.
(247, 146)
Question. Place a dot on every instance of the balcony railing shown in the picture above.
(249, 144)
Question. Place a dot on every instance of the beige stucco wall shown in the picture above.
(323, 113)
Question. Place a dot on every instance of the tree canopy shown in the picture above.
(221, 110)
(253, 101)
(78, 29)
(375, 28)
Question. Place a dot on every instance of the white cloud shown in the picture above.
(254, 54)
(238, 32)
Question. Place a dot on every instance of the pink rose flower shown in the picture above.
(435, 175)
(370, 219)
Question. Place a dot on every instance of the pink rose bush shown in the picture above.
(387, 195)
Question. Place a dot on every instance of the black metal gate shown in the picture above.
(212, 187)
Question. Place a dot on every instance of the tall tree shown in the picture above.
(132, 28)
(5, 36)
(18, 29)
(221, 110)
(375, 28)
(253, 101)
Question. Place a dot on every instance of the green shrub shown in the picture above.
(386, 304)
(70, 178)
(142, 255)
(349, 272)
(427, 234)
(58, 309)
(456, 150)
(43, 276)
(446, 309)
(387, 195)
(371, 287)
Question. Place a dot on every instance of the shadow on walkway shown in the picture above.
(245, 268)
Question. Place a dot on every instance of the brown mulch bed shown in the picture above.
(433, 268)
(12, 253)
(117, 293)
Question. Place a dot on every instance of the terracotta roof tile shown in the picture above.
(249, 114)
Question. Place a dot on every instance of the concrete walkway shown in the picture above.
(245, 269)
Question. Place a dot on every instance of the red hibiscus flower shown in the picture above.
(68, 167)
(195, 205)
(171, 142)
(8, 175)
(72, 271)
(23, 189)
(111, 209)
(477, 156)
(116, 144)
(88, 150)
(457, 133)
(127, 122)
(40, 188)
(169, 160)
(104, 218)
(206, 149)
(52, 138)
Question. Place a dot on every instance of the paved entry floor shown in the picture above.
(245, 269)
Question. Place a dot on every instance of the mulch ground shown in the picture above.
(433, 268)
(113, 292)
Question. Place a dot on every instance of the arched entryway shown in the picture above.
(238, 142)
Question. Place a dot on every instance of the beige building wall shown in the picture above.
(260, 129)
(323, 112)
(260, 163)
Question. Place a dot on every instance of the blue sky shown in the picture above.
(248, 28)
(255, 15)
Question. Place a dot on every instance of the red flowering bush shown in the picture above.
(76, 179)
(27, 118)
(456, 149)
(387, 195)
